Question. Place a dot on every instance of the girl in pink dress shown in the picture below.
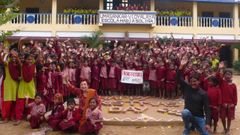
(38, 109)
(94, 118)
(85, 72)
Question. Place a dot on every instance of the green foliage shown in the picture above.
(80, 11)
(6, 17)
(4, 35)
(95, 40)
(164, 40)
(173, 13)
(236, 66)
(6, 2)
(7, 13)
(237, 46)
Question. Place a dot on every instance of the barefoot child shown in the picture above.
(37, 111)
(171, 81)
(229, 99)
(215, 99)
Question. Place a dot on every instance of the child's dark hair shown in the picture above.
(195, 76)
(214, 80)
(38, 95)
(93, 99)
(27, 55)
(71, 101)
(228, 71)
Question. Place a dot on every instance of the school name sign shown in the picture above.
(132, 77)
(127, 17)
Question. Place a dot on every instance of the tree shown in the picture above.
(7, 13)
(95, 40)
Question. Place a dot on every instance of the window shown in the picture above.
(124, 3)
(32, 10)
(224, 15)
(207, 14)
(109, 4)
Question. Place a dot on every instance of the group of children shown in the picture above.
(62, 118)
(101, 67)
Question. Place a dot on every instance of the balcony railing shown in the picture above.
(24, 18)
(174, 21)
(93, 19)
(84, 19)
(215, 22)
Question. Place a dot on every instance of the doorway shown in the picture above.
(225, 55)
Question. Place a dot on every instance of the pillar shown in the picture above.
(152, 5)
(236, 19)
(54, 11)
(101, 2)
(236, 54)
(54, 15)
(195, 15)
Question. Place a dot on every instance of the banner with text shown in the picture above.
(127, 18)
(132, 77)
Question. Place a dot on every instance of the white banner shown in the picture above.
(122, 17)
(132, 77)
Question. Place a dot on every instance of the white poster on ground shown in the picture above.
(132, 77)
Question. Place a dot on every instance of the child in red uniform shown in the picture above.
(103, 78)
(37, 111)
(95, 78)
(112, 79)
(120, 86)
(94, 118)
(85, 72)
(70, 117)
(229, 99)
(161, 71)
(171, 81)
(41, 79)
(153, 80)
(55, 117)
(215, 99)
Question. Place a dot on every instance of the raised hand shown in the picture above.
(184, 61)
(14, 53)
(221, 65)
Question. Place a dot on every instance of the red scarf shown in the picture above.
(28, 72)
(14, 70)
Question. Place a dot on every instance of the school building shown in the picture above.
(131, 19)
